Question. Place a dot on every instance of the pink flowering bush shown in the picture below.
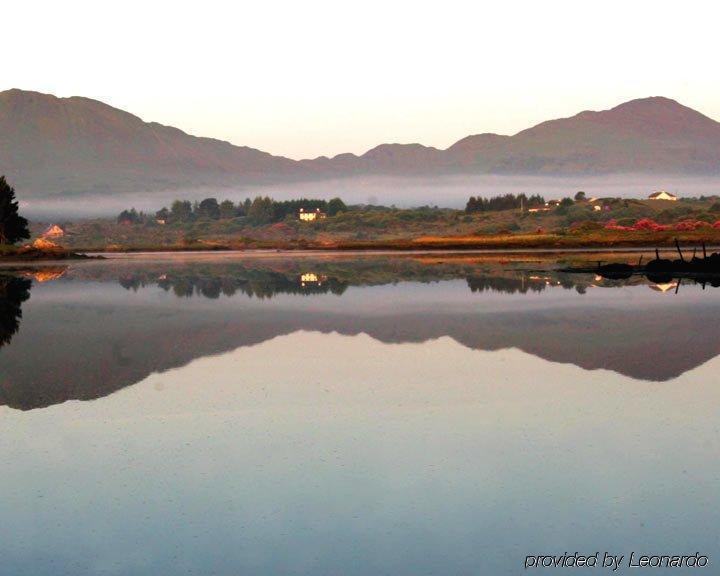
(649, 225)
(690, 225)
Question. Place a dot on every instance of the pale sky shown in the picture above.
(316, 77)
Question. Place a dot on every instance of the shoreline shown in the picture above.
(327, 253)
(531, 245)
(24, 256)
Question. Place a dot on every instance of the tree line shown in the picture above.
(503, 202)
(261, 210)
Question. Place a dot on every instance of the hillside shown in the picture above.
(648, 135)
(53, 145)
(62, 146)
(618, 222)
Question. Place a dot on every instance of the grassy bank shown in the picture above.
(553, 241)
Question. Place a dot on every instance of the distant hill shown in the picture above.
(651, 135)
(58, 146)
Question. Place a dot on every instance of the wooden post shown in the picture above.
(677, 245)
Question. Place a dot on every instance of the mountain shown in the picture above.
(650, 135)
(54, 145)
(57, 146)
(647, 135)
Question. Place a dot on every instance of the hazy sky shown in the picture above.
(306, 78)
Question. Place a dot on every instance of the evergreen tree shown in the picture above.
(261, 210)
(208, 208)
(162, 214)
(13, 227)
(129, 217)
(505, 202)
(227, 209)
(181, 210)
(335, 206)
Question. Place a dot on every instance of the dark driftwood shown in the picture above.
(703, 270)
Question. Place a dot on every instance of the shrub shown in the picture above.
(689, 225)
(649, 225)
(577, 213)
(626, 221)
(586, 226)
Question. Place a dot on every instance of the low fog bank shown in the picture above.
(448, 191)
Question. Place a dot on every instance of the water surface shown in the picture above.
(376, 415)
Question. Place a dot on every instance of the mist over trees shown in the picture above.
(13, 227)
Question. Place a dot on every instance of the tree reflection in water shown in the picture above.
(13, 292)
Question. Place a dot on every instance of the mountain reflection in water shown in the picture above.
(97, 327)
(322, 454)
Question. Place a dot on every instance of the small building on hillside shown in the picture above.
(53, 231)
(311, 215)
(662, 195)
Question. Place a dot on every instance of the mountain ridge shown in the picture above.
(51, 145)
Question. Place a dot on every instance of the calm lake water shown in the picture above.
(351, 416)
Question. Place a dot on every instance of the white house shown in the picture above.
(310, 215)
(662, 195)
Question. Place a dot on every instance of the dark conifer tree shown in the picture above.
(13, 227)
